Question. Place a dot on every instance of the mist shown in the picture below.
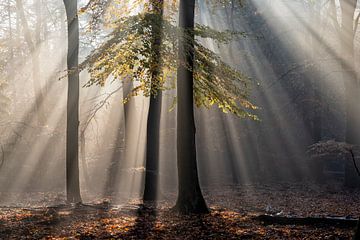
(301, 59)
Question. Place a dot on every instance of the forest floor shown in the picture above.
(233, 212)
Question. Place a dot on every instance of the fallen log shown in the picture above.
(317, 221)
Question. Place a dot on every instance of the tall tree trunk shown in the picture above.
(84, 163)
(10, 31)
(10, 72)
(129, 117)
(154, 116)
(231, 154)
(132, 123)
(190, 198)
(117, 154)
(317, 85)
(347, 42)
(72, 130)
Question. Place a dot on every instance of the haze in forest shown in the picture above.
(294, 52)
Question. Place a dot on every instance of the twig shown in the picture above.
(98, 107)
(3, 155)
(353, 158)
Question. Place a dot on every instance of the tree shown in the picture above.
(346, 32)
(190, 199)
(128, 55)
(153, 122)
(327, 148)
(5, 71)
(72, 130)
(350, 77)
(32, 45)
(316, 84)
(4, 99)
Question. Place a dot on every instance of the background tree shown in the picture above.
(346, 32)
(128, 55)
(72, 130)
(33, 45)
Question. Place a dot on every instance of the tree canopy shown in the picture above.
(126, 55)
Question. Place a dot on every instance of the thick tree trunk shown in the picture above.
(190, 199)
(72, 130)
(152, 149)
(154, 116)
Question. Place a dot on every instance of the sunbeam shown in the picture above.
(241, 114)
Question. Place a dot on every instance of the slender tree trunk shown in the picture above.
(35, 62)
(190, 198)
(154, 116)
(317, 85)
(72, 130)
(10, 30)
(113, 171)
(129, 107)
(62, 23)
(10, 71)
(117, 140)
(347, 42)
(232, 158)
(232, 15)
(132, 124)
(83, 160)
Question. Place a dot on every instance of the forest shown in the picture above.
(179, 119)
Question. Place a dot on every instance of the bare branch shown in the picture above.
(97, 108)
(2, 155)
(353, 158)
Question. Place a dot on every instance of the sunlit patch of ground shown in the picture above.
(233, 209)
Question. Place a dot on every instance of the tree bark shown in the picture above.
(190, 198)
(72, 130)
(154, 116)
